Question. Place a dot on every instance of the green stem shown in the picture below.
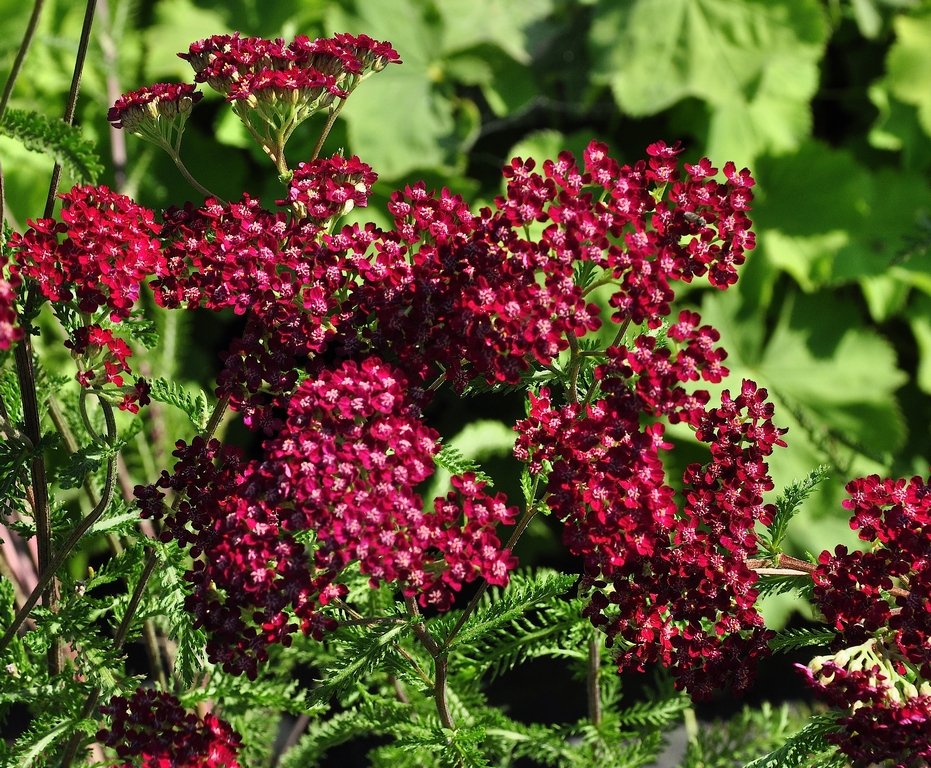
(476, 598)
(47, 574)
(21, 55)
(440, 664)
(39, 484)
(72, 97)
(592, 679)
(190, 179)
(326, 129)
(91, 703)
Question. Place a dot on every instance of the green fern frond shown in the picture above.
(452, 460)
(788, 504)
(799, 750)
(195, 406)
(792, 639)
(521, 595)
(53, 137)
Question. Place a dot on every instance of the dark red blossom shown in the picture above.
(153, 730)
(887, 718)
(10, 333)
(886, 590)
(670, 584)
(328, 188)
(152, 104)
(344, 465)
(110, 248)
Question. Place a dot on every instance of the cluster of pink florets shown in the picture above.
(110, 248)
(245, 67)
(153, 730)
(343, 465)
(880, 600)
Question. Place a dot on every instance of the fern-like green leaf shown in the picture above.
(195, 406)
(800, 748)
(787, 505)
(792, 639)
(521, 595)
(657, 714)
(62, 142)
(363, 653)
(452, 460)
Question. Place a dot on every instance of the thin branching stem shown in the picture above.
(326, 129)
(483, 587)
(47, 575)
(26, 375)
(122, 631)
(21, 55)
(440, 663)
(71, 105)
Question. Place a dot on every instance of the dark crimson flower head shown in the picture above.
(141, 111)
(153, 730)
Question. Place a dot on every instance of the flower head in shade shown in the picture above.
(156, 113)
(153, 730)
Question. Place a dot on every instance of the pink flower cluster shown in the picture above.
(247, 67)
(669, 585)
(326, 189)
(10, 333)
(152, 730)
(151, 103)
(110, 248)
(344, 465)
(882, 597)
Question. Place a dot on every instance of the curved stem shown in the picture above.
(326, 129)
(40, 499)
(21, 55)
(190, 179)
(89, 705)
(477, 597)
(72, 97)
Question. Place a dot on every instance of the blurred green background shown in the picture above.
(828, 103)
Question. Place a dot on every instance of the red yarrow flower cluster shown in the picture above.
(224, 61)
(328, 188)
(670, 585)
(888, 719)
(344, 465)
(472, 295)
(886, 590)
(153, 730)
(111, 246)
(152, 104)
(10, 333)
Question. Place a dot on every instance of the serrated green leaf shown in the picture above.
(792, 639)
(172, 393)
(800, 748)
(520, 596)
(754, 62)
(367, 650)
(787, 505)
(55, 138)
